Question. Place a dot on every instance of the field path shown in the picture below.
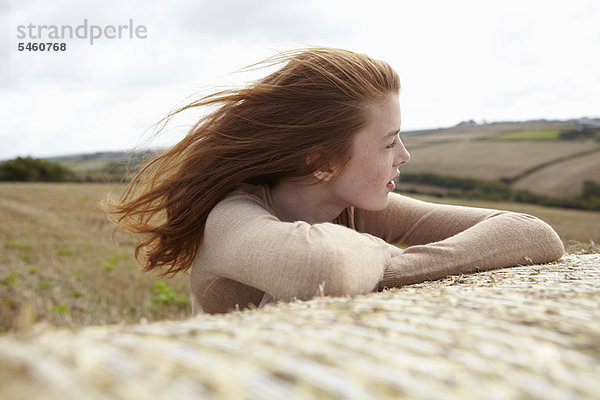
(523, 332)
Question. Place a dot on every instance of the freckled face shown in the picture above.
(366, 181)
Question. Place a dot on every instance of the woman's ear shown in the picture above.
(323, 176)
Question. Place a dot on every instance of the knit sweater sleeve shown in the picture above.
(445, 240)
(244, 242)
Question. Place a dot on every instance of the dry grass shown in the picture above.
(62, 260)
(517, 333)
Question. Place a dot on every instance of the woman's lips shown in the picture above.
(391, 185)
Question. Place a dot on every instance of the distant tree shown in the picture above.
(27, 169)
(467, 123)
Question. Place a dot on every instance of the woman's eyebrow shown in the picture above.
(394, 133)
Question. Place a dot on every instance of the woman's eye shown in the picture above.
(391, 145)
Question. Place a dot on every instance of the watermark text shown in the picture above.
(89, 32)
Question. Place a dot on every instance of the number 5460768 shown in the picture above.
(29, 46)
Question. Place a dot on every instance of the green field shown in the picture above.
(533, 134)
(62, 261)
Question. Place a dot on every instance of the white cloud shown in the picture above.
(458, 60)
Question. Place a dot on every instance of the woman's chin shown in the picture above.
(378, 205)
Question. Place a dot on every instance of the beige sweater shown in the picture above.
(247, 251)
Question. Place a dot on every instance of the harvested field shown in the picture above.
(523, 332)
(486, 159)
(563, 178)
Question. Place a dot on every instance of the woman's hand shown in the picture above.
(395, 251)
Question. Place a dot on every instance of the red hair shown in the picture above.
(312, 106)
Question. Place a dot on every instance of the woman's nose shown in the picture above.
(403, 156)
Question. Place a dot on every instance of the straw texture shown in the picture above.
(523, 332)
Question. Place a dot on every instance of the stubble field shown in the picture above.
(487, 160)
(529, 154)
(563, 177)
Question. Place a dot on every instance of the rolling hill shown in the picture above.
(529, 155)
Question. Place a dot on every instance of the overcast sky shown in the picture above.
(458, 60)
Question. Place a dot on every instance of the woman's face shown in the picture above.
(366, 181)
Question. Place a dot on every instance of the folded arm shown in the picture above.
(445, 240)
(245, 243)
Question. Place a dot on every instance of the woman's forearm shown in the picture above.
(502, 240)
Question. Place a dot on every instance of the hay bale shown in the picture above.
(523, 332)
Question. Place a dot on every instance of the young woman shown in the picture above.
(285, 190)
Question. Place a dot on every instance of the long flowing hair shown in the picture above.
(312, 106)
